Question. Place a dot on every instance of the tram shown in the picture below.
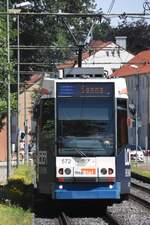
(82, 137)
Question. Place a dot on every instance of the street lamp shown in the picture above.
(17, 9)
(26, 5)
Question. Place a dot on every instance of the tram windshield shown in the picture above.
(85, 126)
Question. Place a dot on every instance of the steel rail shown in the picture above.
(140, 187)
(140, 177)
(63, 219)
(109, 219)
(141, 201)
(137, 196)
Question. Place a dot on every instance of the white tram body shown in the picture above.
(82, 137)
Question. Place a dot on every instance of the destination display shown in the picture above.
(85, 89)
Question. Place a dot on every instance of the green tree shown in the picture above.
(4, 68)
(138, 35)
(102, 31)
(39, 31)
(137, 32)
(51, 31)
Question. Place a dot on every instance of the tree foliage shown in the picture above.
(137, 32)
(51, 31)
(138, 35)
(102, 31)
(38, 31)
(4, 69)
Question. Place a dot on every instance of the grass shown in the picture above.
(136, 168)
(12, 215)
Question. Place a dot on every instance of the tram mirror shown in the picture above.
(132, 109)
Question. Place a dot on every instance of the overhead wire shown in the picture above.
(134, 15)
(111, 6)
(146, 6)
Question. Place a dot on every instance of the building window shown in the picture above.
(114, 69)
(107, 53)
(113, 53)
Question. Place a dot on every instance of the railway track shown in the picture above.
(143, 202)
(110, 220)
(64, 219)
(140, 187)
(140, 194)
(140, 177)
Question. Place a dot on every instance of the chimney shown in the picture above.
(121, 41)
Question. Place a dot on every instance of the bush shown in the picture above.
(19, 189)
(24, 173)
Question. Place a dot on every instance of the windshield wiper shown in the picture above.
(80, 152)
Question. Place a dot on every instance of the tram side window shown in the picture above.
(47, 119)
(122, 129)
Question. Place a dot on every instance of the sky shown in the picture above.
(120, 6)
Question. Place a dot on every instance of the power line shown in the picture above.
(98, 15)
(87, 63)
(111, 6)
(146, 6)
(31, 47)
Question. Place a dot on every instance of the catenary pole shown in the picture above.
(26, 126)
(8, 98)
(18, 86)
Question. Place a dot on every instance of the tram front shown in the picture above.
(86, 140)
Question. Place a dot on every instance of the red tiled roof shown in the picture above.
(95, 46)
(140, 64)
(35, 78)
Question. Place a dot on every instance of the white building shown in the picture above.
(137, 74)
(109, 55)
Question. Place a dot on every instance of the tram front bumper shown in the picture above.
(76, 191)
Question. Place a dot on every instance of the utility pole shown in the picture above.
(26, 126)
(18, 87)
(137, 115)
(148, 119)
(80, 55)
(136, 133)
(8, 99)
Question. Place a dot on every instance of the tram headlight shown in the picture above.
(110, 171)
(61, 171)
(67, 171)
(61, 187)
(103, 171)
